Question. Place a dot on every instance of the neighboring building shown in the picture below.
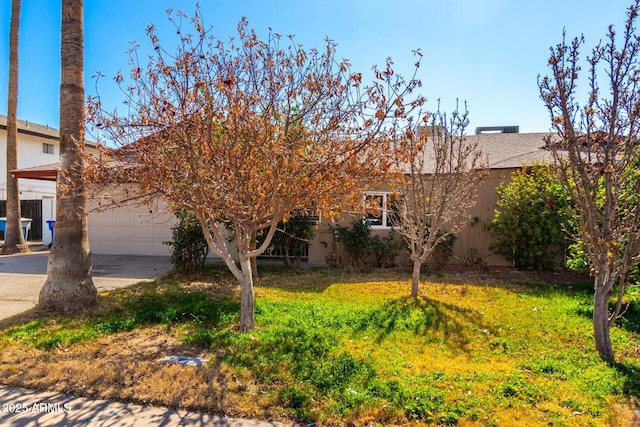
(37, 145)
(129, 230)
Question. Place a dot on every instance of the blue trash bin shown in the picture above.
(26, 226)
(51, 223)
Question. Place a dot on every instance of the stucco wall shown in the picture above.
(472, 244)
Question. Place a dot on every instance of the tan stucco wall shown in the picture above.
(472, 243)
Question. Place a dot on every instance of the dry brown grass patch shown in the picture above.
(125, 367)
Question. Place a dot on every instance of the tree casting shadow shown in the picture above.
(427, 317)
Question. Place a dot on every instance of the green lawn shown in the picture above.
(342, 348)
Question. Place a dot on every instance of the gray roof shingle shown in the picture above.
(512, 150)
(504, 150)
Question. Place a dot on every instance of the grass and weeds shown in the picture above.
(342, 348)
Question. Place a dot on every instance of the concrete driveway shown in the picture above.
(22, 276)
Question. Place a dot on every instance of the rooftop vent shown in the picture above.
(497, 129)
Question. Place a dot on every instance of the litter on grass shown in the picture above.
(184, 360)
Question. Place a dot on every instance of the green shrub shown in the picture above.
(355, 246)
(531, 218)
(386, 249)
(189, 248)
(355, 243)
(578, 257)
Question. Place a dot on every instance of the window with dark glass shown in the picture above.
(48, 148)
(375, 205)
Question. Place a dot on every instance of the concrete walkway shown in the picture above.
(22, 408)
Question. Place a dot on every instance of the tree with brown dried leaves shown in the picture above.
(246, 132)
(597, 159)
(441, 170)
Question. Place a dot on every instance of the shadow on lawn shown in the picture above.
(22, 318)
(631, 377)
(630, 320)
(320, 278)
(123, 311)
(426, 317)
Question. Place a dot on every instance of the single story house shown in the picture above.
(140, 230)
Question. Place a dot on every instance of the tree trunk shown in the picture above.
(415, 277)
(254, 266)
(247, 305)
(69, 285)
(286, 259)
(601, 327)
(14, 241)
(254, 260)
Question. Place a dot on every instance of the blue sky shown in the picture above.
(487, 52)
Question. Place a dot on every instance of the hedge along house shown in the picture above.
(127, 230)
(506, 150)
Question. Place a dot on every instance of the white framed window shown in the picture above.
(48, 148)
(384, 204)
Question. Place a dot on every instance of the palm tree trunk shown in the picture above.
(13, 238)
(69, 285)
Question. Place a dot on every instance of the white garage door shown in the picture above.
(130, 230)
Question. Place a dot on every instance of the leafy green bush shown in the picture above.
(355, 246)
(189, 249)
(386, 249)
(355, 242)
(578, 258)
(531, 218)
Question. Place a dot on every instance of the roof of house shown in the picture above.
(29, 128)
(512, 150)
(44, 172)
(503, 150)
